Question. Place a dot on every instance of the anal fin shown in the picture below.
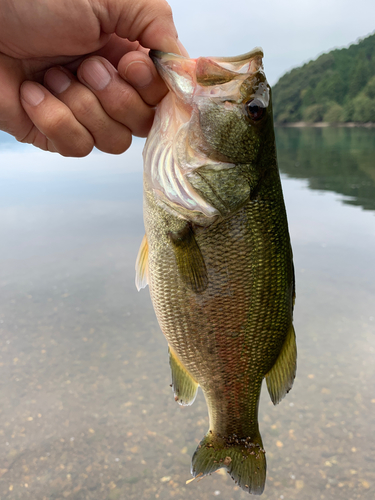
(141, 265)
(189, 259)
(281, 376)
(184, 386)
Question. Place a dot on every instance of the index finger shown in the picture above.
(138, 69)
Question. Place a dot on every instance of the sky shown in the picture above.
(291, 32)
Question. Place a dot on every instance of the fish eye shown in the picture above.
(255, 109)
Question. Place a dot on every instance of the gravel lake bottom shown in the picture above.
(87, 412)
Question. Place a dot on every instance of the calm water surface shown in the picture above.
(86, 409)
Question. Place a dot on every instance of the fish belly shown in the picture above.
(228, 336)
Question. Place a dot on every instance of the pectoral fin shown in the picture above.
(141, 265)
(184, 386)
(281, 376)
(189, 259)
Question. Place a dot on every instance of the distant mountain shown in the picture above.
(336, 87)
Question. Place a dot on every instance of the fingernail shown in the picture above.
(138, 74)
(95, 74)
(32, 93)
(57, 80)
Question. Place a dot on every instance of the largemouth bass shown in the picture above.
(217, 254)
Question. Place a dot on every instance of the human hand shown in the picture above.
(100, 106)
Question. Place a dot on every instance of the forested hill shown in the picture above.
(336, 87)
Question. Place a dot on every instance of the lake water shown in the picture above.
(86, 409)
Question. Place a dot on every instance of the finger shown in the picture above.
(55, 121)
(109, 135)
(13, 118)
(138, 69)
(112, 51)
(119, 99)
(39, 140)
(151, 23)
(116, 48)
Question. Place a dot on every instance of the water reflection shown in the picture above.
(86, 408)
(332, 159)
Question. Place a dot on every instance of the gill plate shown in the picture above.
(167, 171)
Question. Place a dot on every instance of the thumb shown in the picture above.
(149, 22)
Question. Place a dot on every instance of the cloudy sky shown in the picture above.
(290, 32)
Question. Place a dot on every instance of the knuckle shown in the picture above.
(83, 107)
(30, 136)
(117, 144)
(79, 149)
(56, 121)
(126, 100)
(144, 126)
(36, 138)
(168, 10)
(161, 7)
(67, 136)
(124, 105)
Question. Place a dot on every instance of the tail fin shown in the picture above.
(244, 459)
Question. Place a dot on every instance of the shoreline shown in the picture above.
(325, 124)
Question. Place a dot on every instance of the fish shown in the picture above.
(217, 254)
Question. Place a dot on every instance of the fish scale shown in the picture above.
(221, 279)
(182, 320)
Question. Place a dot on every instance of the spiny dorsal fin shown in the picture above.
(184, 386)
(141, 265)
(189, 259)
(281, 376)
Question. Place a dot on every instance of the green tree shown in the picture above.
(337, 77)
(307, 96)
(369, 90)
(364, 108)
(359, 77)
(334, 113)
(314, 113)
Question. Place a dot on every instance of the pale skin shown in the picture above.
(75, 74)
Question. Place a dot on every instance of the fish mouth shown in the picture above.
(257, 52)
(167, 63)
(158, 54)
(155, 54)
(159, 58)
(177, 72)
(182, 74)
